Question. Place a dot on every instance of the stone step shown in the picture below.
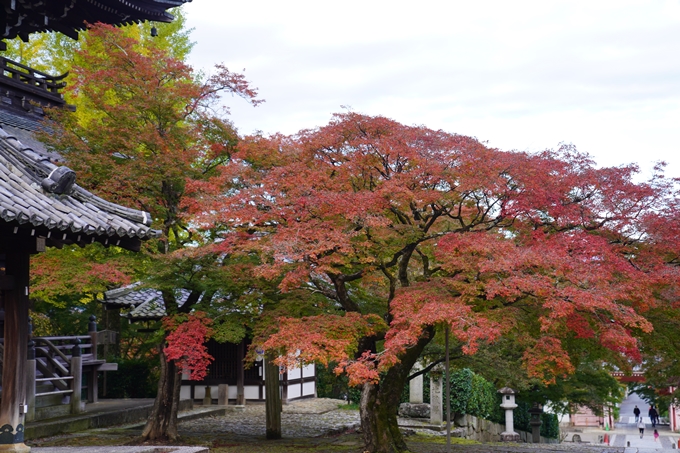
(80, 422)
(47, 412)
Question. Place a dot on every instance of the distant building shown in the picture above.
(144, 304)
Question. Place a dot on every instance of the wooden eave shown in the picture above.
(29, 211)
(23, 17)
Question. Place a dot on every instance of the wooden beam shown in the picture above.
(35, 239)
(6, 282)
(240, 390)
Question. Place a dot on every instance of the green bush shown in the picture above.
(330, 385)
(551, 426)
(135, 378)
(461, 391)
(472, 394)
(482, 400)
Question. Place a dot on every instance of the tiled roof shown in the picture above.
(145, 303)
(37, 194)
(22, 17)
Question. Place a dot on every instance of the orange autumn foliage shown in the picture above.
(443, 231)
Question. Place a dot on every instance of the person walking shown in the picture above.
(656, 436)
(653, 416)
(636, 411)
(641, 427)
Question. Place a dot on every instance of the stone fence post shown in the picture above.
(436, 397)
(415, 386)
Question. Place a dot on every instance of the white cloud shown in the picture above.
(521, 75)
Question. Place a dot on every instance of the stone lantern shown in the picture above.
(509, 435)
(535, 422)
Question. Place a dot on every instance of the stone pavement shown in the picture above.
(626, 434)
(302, 418)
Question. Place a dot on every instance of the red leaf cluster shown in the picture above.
(446, 231)
(186, 337)
(321, 339)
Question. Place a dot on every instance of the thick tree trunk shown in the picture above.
(162, 423)
(380, 403)
(272, 399)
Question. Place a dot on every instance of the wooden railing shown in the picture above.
(61, 363)
(54, 359)
(31, 77)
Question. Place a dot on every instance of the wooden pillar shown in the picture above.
(92, 332)
(93, 375)
(13, 402)
(223, 394)
(207, 398)
(284, 388)
(272, 399)
(240, 390)
(77, 381)
(30, 382)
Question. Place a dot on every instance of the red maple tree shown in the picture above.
(407, 229)
(146, 124)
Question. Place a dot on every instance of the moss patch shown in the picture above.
(439, 439)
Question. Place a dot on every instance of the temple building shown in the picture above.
(143, 305)
(41, 205)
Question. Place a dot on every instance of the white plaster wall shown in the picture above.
(251, 392)
(294, 373)
(308, 371)
(185, 393)
(294, 391)
(308, 388)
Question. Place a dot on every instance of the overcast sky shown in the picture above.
(520, 75)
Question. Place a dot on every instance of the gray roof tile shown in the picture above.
(24, 200)
(144, 303)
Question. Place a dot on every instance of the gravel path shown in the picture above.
(304, 418)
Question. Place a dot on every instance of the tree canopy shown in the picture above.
(406, 229)
(145, 125)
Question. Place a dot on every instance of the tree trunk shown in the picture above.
(162, 423)
(272, 399)
(380, 403)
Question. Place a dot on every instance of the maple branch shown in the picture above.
(436, 213)
(403, 264)
(341, 290)
(414, 211)
(393, 283)
(400, 216)
(324, 291)
(434, 364)
(427, 272)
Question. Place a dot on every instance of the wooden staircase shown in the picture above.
(56, 367)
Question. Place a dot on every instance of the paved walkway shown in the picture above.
(630, 432)
(626, 434)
